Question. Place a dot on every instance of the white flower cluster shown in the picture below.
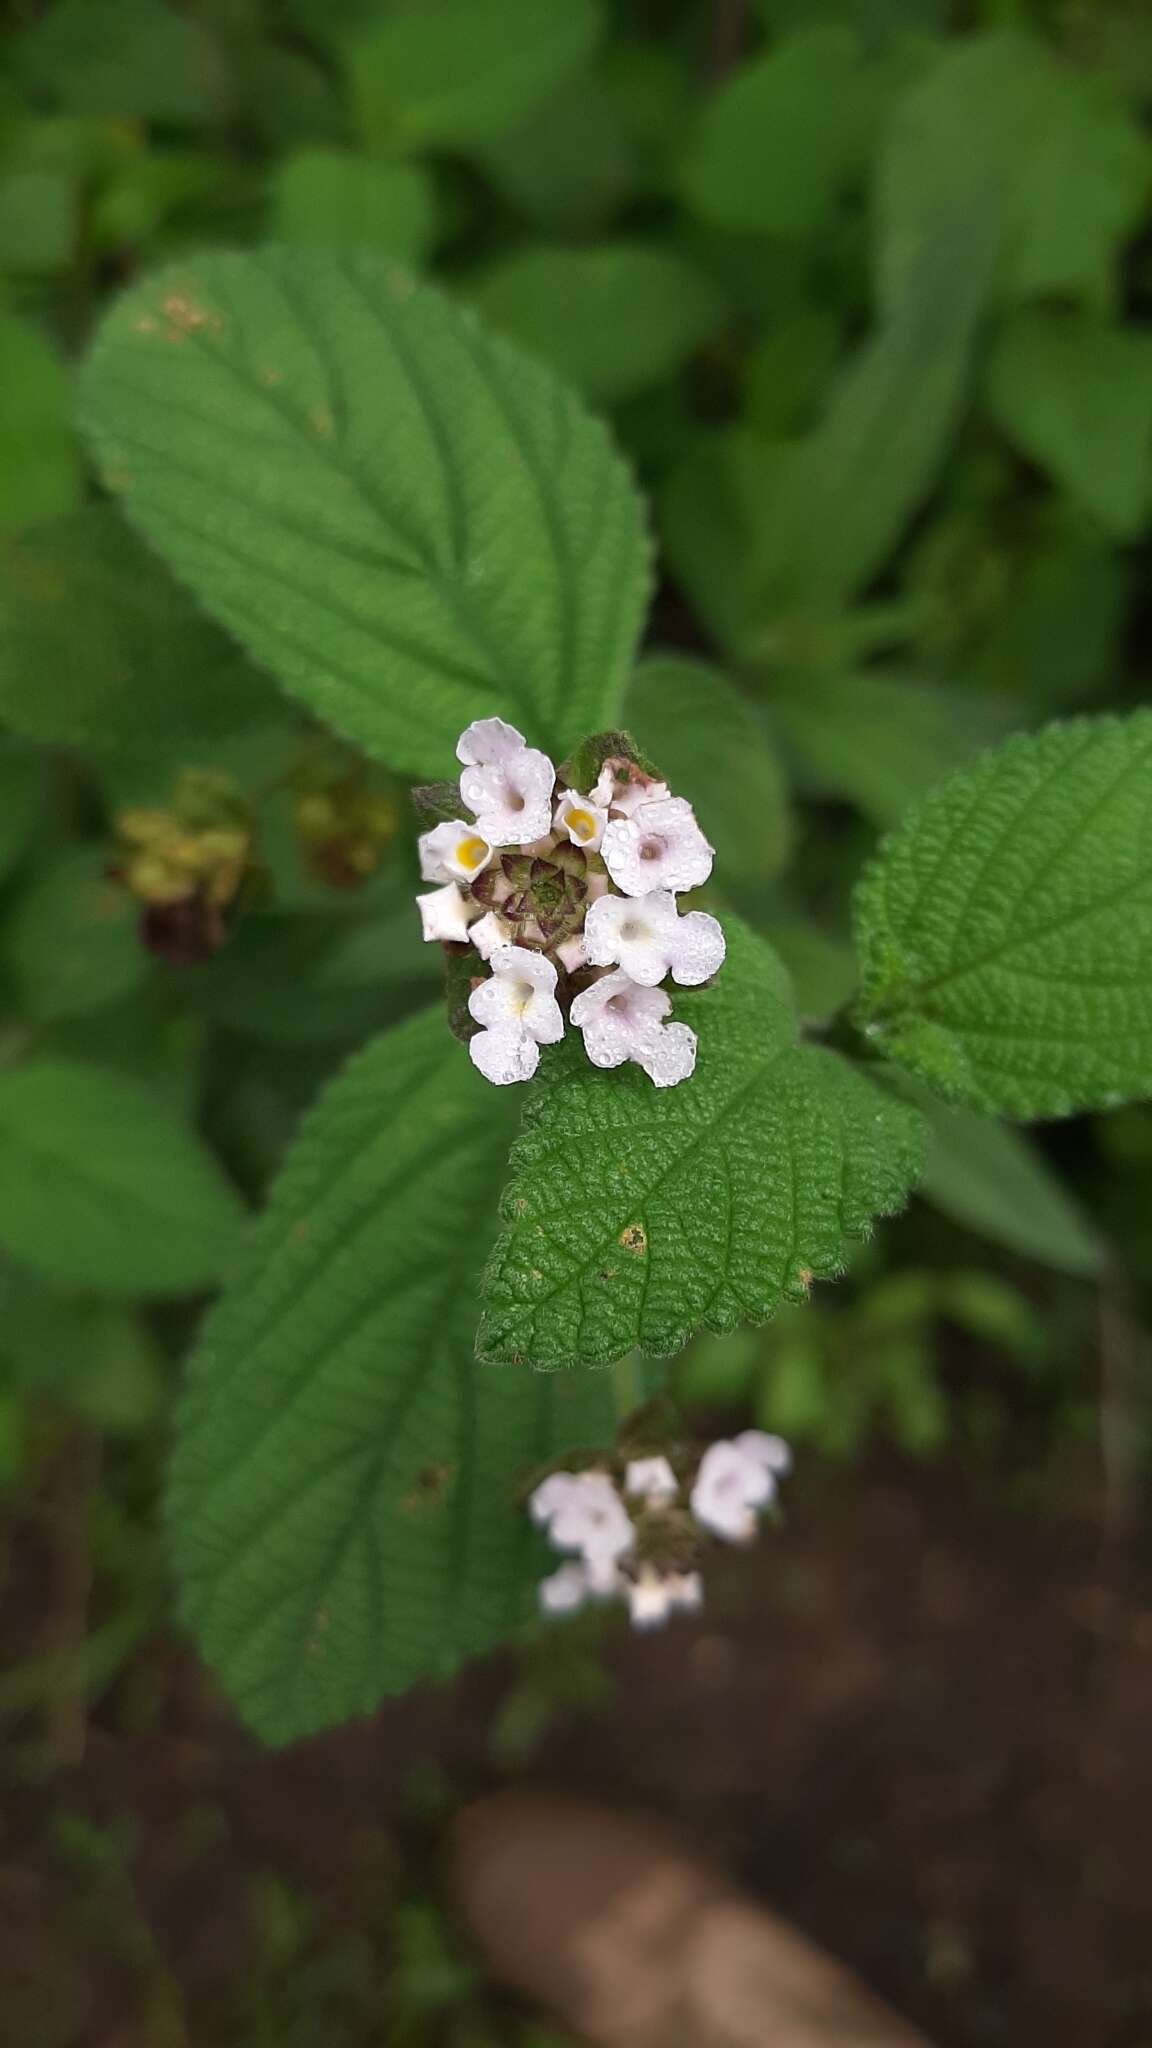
(570, 897)
(640, 1541)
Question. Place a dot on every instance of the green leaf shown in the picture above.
(39, 459)
(125, 664)
(991, 1178)
(781, 141)
(711, 745)
(345, 1500)
(22, 790)
(331, 198)
(1005, 932)
(409, 522)
(1085, 189)
(134, 60)
(301, 980)
(455, 72)
(38, 223)
(1073, 170)
(613, 318)
(879, 741)
(635, 1215)
(96, 1358)
(101, 1188)
(70, 941)
(1076, 396)
(568, 166)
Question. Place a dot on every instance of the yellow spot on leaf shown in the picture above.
(634, 1238)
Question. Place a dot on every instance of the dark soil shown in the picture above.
(918, 1723)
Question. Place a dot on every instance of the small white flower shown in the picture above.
(649, 1604)
(685, 1591)
(652, 1478)
(730, 1487)
(623, 1021)
(518, 1008)
(659, 847)
(592, 1519)
(444, 914)
(505, 1055)
(764, 1449)
(648, 937)
(453, 852)
(581, 819)
(490, 932)
(507, 784)
(572, 953)
(565, 1591)
(633, 932)
(621, 787)
(488, 740)
(550, 1496)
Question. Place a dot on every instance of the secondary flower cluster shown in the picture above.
(570, 901)
(640, 1540)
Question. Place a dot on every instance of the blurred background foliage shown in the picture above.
(865, 287)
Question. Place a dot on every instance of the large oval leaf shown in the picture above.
(344, 1501)
(635, 1216)
(412, 524)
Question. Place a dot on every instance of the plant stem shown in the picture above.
(628, 1379)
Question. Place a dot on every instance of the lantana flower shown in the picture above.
(731, 1487)
(639, 1525)
(581, 818)
(660, 846)
(622, 787)
(649, 938)
(506, 783)
(444, 914)
(519, 1012)
(621, 1020)
(453, 852)
(580, 887)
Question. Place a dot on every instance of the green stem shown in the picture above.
(628, 1380)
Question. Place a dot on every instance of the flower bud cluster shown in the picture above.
(637, 1534)
(569, 901)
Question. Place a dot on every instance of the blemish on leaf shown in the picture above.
(634, 1238)
(429, 1487)
(269, 375)
(185, 315)
(146, 324)
(316, 1643)
(320, 421)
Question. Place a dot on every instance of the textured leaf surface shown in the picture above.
(1005, 932)
(613, 318)
(345, 1494)
(102, 1188)
(635, 1216)
(409, 522)
(710, 745)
